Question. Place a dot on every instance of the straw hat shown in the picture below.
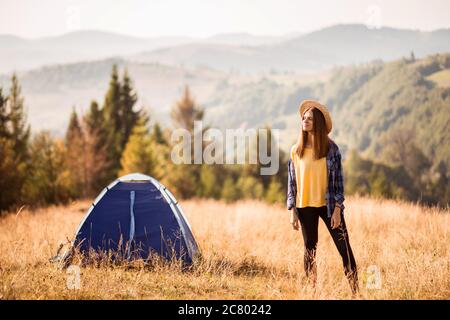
(306, 104)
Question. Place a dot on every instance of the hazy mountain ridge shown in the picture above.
(309, 52)
(318, 50)
(20, 54)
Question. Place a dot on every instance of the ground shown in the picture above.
(249, 252)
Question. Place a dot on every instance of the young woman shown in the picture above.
(316, 189)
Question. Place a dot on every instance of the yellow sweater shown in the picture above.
(312, 179)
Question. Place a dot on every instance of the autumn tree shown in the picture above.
(275, 193)
(184, 176)
(111, 123)
(75, 156)
(4, 116)
(141, 152)
(9, 165)
(186, 111)
(95, 152)
(128, 116)
(48, 181)
(229, 192)
(14, 135)
(119, 118)
(19, 129)
(399, 148)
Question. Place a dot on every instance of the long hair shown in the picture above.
(320, 139)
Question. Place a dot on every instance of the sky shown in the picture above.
(203, 18)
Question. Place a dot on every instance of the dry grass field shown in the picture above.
(249, 252)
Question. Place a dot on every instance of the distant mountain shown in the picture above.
(319, 50)
(218, 56)
(356, 43)
(21, 54)
(247, 39)
(310, 52)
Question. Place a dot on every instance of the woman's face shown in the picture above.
(307, 121)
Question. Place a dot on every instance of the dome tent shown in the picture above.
(134, 216)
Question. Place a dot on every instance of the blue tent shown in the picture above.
(135, 216)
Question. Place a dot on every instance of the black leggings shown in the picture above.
(309, 220)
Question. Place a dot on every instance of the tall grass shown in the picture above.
(249, 251)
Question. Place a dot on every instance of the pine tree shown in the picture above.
(95, 153)
(137, 156)
(48, 181)
(74, 131)
(94, 118)
(4, 116)
(158, 135)
(112, 125)
(9, 167)
(185, 112)
(20, 131)
(14, 129)
(128, 116)
(144, 154)
(75, 155)
(119, 119)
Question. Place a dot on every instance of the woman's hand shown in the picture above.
(294, 219)
(336, 218)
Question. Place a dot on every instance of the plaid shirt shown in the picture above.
(335, 190)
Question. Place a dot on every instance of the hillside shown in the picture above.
(51, 92)
(399, 96)
(367, 102)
